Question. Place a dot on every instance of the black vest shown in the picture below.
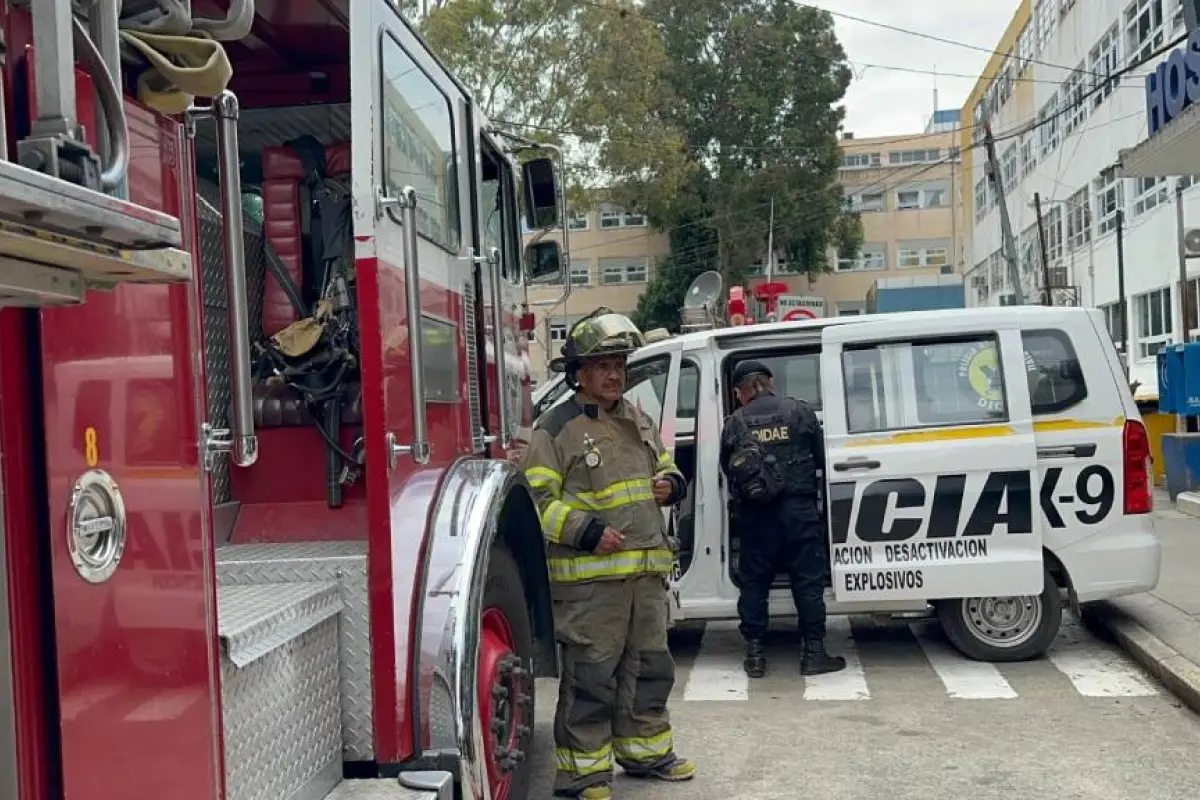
(781, 427)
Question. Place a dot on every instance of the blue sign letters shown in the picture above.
(1173, 85)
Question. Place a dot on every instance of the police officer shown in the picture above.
(771, 449)
(599, 473)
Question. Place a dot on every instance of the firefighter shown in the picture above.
(599, 473)
(771, 449)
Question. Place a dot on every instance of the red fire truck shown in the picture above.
(259, 538)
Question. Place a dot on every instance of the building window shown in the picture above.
(558, 332)
(610, 218)
(870, 257)
(933, 198)
(871, 201)
(1103, 61)
(1009, 168)
(981, 199)
(581, 273)
(1045, 16)
(623, 270)
(578, 221)
(852, 308)
(1154, 321)
(1177, 20)
(1148, 194)
(1004, 81)
(1064, 6)
(1029, 157)
(634, 219)
(908, 200)
(1025, 45)
(1053, 223)
(900, 158)
(922, 254)
(860, 160)
(1029, 253)
(1048, 121)
(1110, 198)
(1073, 98)
(1144, 30)
(1187, 181)
(1113, 321)
(1079, 222)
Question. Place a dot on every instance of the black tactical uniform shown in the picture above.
(787, 532)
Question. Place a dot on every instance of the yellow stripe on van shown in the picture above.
(980, 432)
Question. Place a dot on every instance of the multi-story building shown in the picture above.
(904, 188)
(1060, 115)
(613, 254)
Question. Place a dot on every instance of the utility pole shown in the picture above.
(771, 244)
(992, 170)
(1182, 249)
(1121, 308)
(1048, 300)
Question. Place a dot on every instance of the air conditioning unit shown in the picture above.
(947, 269)
(1191, 242)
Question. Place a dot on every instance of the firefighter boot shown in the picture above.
(598, 792)
(815, 661)
(755, 662)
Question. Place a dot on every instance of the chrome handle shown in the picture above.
(224, 109)
(501, 366)
(419, 449)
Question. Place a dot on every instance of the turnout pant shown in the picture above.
(617, 673)
(785, 536)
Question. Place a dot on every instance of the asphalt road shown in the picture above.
(910, 718)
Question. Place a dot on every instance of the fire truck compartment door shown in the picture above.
(931, 462)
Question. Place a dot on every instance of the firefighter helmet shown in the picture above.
(601, 333)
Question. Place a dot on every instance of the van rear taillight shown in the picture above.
(1139, 486)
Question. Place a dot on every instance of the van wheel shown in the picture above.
(505, 670)
(1003, 629)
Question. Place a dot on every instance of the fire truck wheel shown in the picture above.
(506, 688)
(1004, 629)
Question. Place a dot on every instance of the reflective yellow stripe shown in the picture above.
(554, 519)
(648, 748)
(543, 477)
(628, 562)
(664, 458)
(615, 495)
(667, 470)
(578, 762)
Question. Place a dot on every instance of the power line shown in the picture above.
(938, 73)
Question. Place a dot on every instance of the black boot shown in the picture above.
(816, 661)
(755, 663)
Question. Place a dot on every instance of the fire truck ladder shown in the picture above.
(64, 226)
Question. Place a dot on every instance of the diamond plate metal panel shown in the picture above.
(305, 562)
(378, 789)
(253, 620)
(280, 718)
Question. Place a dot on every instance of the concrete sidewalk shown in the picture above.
(1161, 629)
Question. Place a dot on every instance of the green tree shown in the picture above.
(755, 87)
(583, 73)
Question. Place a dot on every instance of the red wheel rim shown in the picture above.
(505, 697)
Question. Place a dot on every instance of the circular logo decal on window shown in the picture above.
(979, 369)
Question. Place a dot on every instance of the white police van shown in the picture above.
(982, 463)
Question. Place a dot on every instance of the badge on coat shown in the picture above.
(591, 455)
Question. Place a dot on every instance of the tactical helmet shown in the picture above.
(601, 333)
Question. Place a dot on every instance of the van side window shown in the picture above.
(646, 385)
(1055, 377)
(797, 374)
(924, 383)
(689, 390)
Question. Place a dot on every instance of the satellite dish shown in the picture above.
(704, 291)
(700, 302)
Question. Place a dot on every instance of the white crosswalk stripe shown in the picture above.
(1092, 668)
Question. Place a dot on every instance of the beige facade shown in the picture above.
(906, 190)
(613, 254)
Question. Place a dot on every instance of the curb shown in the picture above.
(1188, 503)
(1178, 673)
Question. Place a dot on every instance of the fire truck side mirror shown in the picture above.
(541, 193)
(543, 262)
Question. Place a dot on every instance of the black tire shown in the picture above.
(952, 614)
(505, 590)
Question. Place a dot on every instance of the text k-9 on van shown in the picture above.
(982, 464)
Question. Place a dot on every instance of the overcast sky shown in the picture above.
(885, 102)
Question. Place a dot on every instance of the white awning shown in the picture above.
(1173, 151)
